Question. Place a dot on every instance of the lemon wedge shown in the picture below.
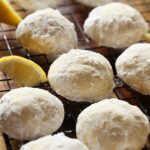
(22, 70)
(8, 15)
(147, 36)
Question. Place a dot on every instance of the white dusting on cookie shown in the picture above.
(47, 32)
(30, 113)
(81, 75)
(115, 25)
(56, 142)
(94, 3)
(113, 124)
(133, 67)
(33, 5)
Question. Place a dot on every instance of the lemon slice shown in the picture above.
(8, 15)
(22, 70)
(147, 36)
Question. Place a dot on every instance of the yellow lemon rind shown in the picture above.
(11, 59)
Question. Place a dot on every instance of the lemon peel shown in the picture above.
(147, 37)
(8, 14)
(22, 70)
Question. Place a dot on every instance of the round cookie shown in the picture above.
(113, 124)
(30, 113)
(33, 5)
(94, 3)
(81, 75)
(115, 25)
(133, 67)
(47, 32)
(56, 142)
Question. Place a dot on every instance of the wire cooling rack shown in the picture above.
(76, 13)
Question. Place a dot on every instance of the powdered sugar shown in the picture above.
(115, 121)
(81, 76)
(33, 112)
(47, 32)
(94, 3)
(133, 67)
(115, 25)
(33, 5)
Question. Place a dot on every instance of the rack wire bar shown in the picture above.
(77, 13)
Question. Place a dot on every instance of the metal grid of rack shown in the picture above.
(76, 13)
